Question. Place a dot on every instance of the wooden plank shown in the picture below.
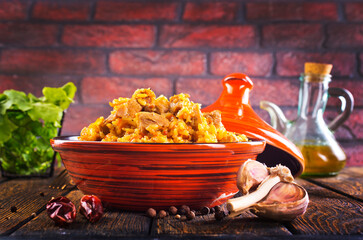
(328, 213)
(28, 196)
(247, 225)
(349, 181)
(2, 179)
(26, 203)
(113, 223)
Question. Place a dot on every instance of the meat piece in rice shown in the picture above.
(162, 105)
(133, 107)
(110, 118)
(129, 109)
(179, 101)
(146, 98)
(145, 119)
(197, 117)
(214, 117)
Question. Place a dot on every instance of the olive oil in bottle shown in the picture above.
(322, 153)
(322, 160)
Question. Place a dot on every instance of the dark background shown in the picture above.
(111, 48)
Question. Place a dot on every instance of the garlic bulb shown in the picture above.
(276, 197)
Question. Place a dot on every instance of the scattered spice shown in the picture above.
(205, 210)
(184, 209)
(61, 210)
(190, 215)
(91, 207)
(173, 210)
(151, 212)
(162, 214)
(14, 209)
(217, 209)
(219, 215)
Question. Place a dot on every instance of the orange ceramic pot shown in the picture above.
(238, 116)
(136, 176)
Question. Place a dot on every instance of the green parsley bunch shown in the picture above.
(27, 123)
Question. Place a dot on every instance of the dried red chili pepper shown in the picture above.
(91, 208)
(61, 210)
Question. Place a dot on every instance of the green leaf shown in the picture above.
(4, 104)
(17, 99)
(6, 128)
(70, 89)
(33, 98)
(62, 96)
(46, 111)
(3, 97)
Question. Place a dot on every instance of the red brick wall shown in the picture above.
(110, 48)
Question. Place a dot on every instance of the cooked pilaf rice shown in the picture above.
(145, 118)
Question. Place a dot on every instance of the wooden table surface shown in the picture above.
(335, 211)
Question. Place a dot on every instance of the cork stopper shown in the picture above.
(318, 68)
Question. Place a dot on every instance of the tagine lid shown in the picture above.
(238, 116)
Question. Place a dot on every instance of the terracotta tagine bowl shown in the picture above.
(238, 116)
(136, 176)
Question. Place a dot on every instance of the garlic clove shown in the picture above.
(284, 202)
(283, 172)
(250, 175)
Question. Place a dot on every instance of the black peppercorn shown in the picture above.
(217, 208)
(190, 215)
(14, 209)
(151, 212)
(205, 210)
(184, 209)
(219, 215)
(173, 210)
(162, 214)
